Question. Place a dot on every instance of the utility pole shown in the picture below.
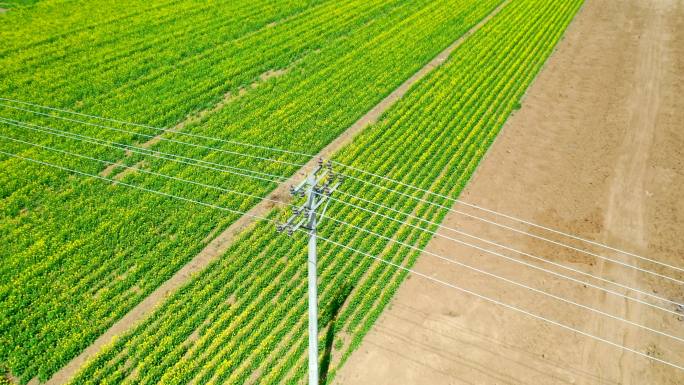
(317, 188)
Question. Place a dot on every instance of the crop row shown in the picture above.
(433, 138)
(79, 254)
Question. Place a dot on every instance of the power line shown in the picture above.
(508, 216)
(278, 176)
(510, 249)
(512, 282)
(357, 251)
(523, 232)
(149, 153)
(136, 187)
(157, 137)
(146, 171)
(367, 182)
(144, 151)
(339, 221)
(235, 142)
(511, 307)
(455, 200)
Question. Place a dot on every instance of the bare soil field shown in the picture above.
(596, 150)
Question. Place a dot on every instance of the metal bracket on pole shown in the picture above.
(317, 188)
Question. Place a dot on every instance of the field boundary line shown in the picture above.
(223, 241)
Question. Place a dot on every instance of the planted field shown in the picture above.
(79, 253)
(243, 320)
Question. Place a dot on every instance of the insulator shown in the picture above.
(320, 161)
(279, 228)
(292, 191)
(290, 231)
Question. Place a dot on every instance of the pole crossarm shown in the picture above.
(317, 188)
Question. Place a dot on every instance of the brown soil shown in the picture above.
(8, 379)
(129, 170)
(109, 169)
(596, 150)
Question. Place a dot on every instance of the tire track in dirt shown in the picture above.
(625, 215)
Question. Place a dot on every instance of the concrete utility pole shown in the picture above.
(317, 187)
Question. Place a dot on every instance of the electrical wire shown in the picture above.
(157, 137)
(135, 186)
(512, 282)
(348, 225)
(134, 168)
(455, 200)
(143, 151)
(627, 265)
(497, 302)
(282, 202)
(235, 142)
(372, 184)
(480, 296)
(509, 249)
(470, 245)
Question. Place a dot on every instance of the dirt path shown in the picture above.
(221, 243)
(596, 150)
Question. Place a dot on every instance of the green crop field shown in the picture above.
(79, 253)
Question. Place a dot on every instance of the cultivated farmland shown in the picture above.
(263, 269)
(153, 247)
(102, 209)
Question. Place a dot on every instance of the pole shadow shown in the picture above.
(333, 311)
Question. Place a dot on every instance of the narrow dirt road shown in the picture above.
(597, 150)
